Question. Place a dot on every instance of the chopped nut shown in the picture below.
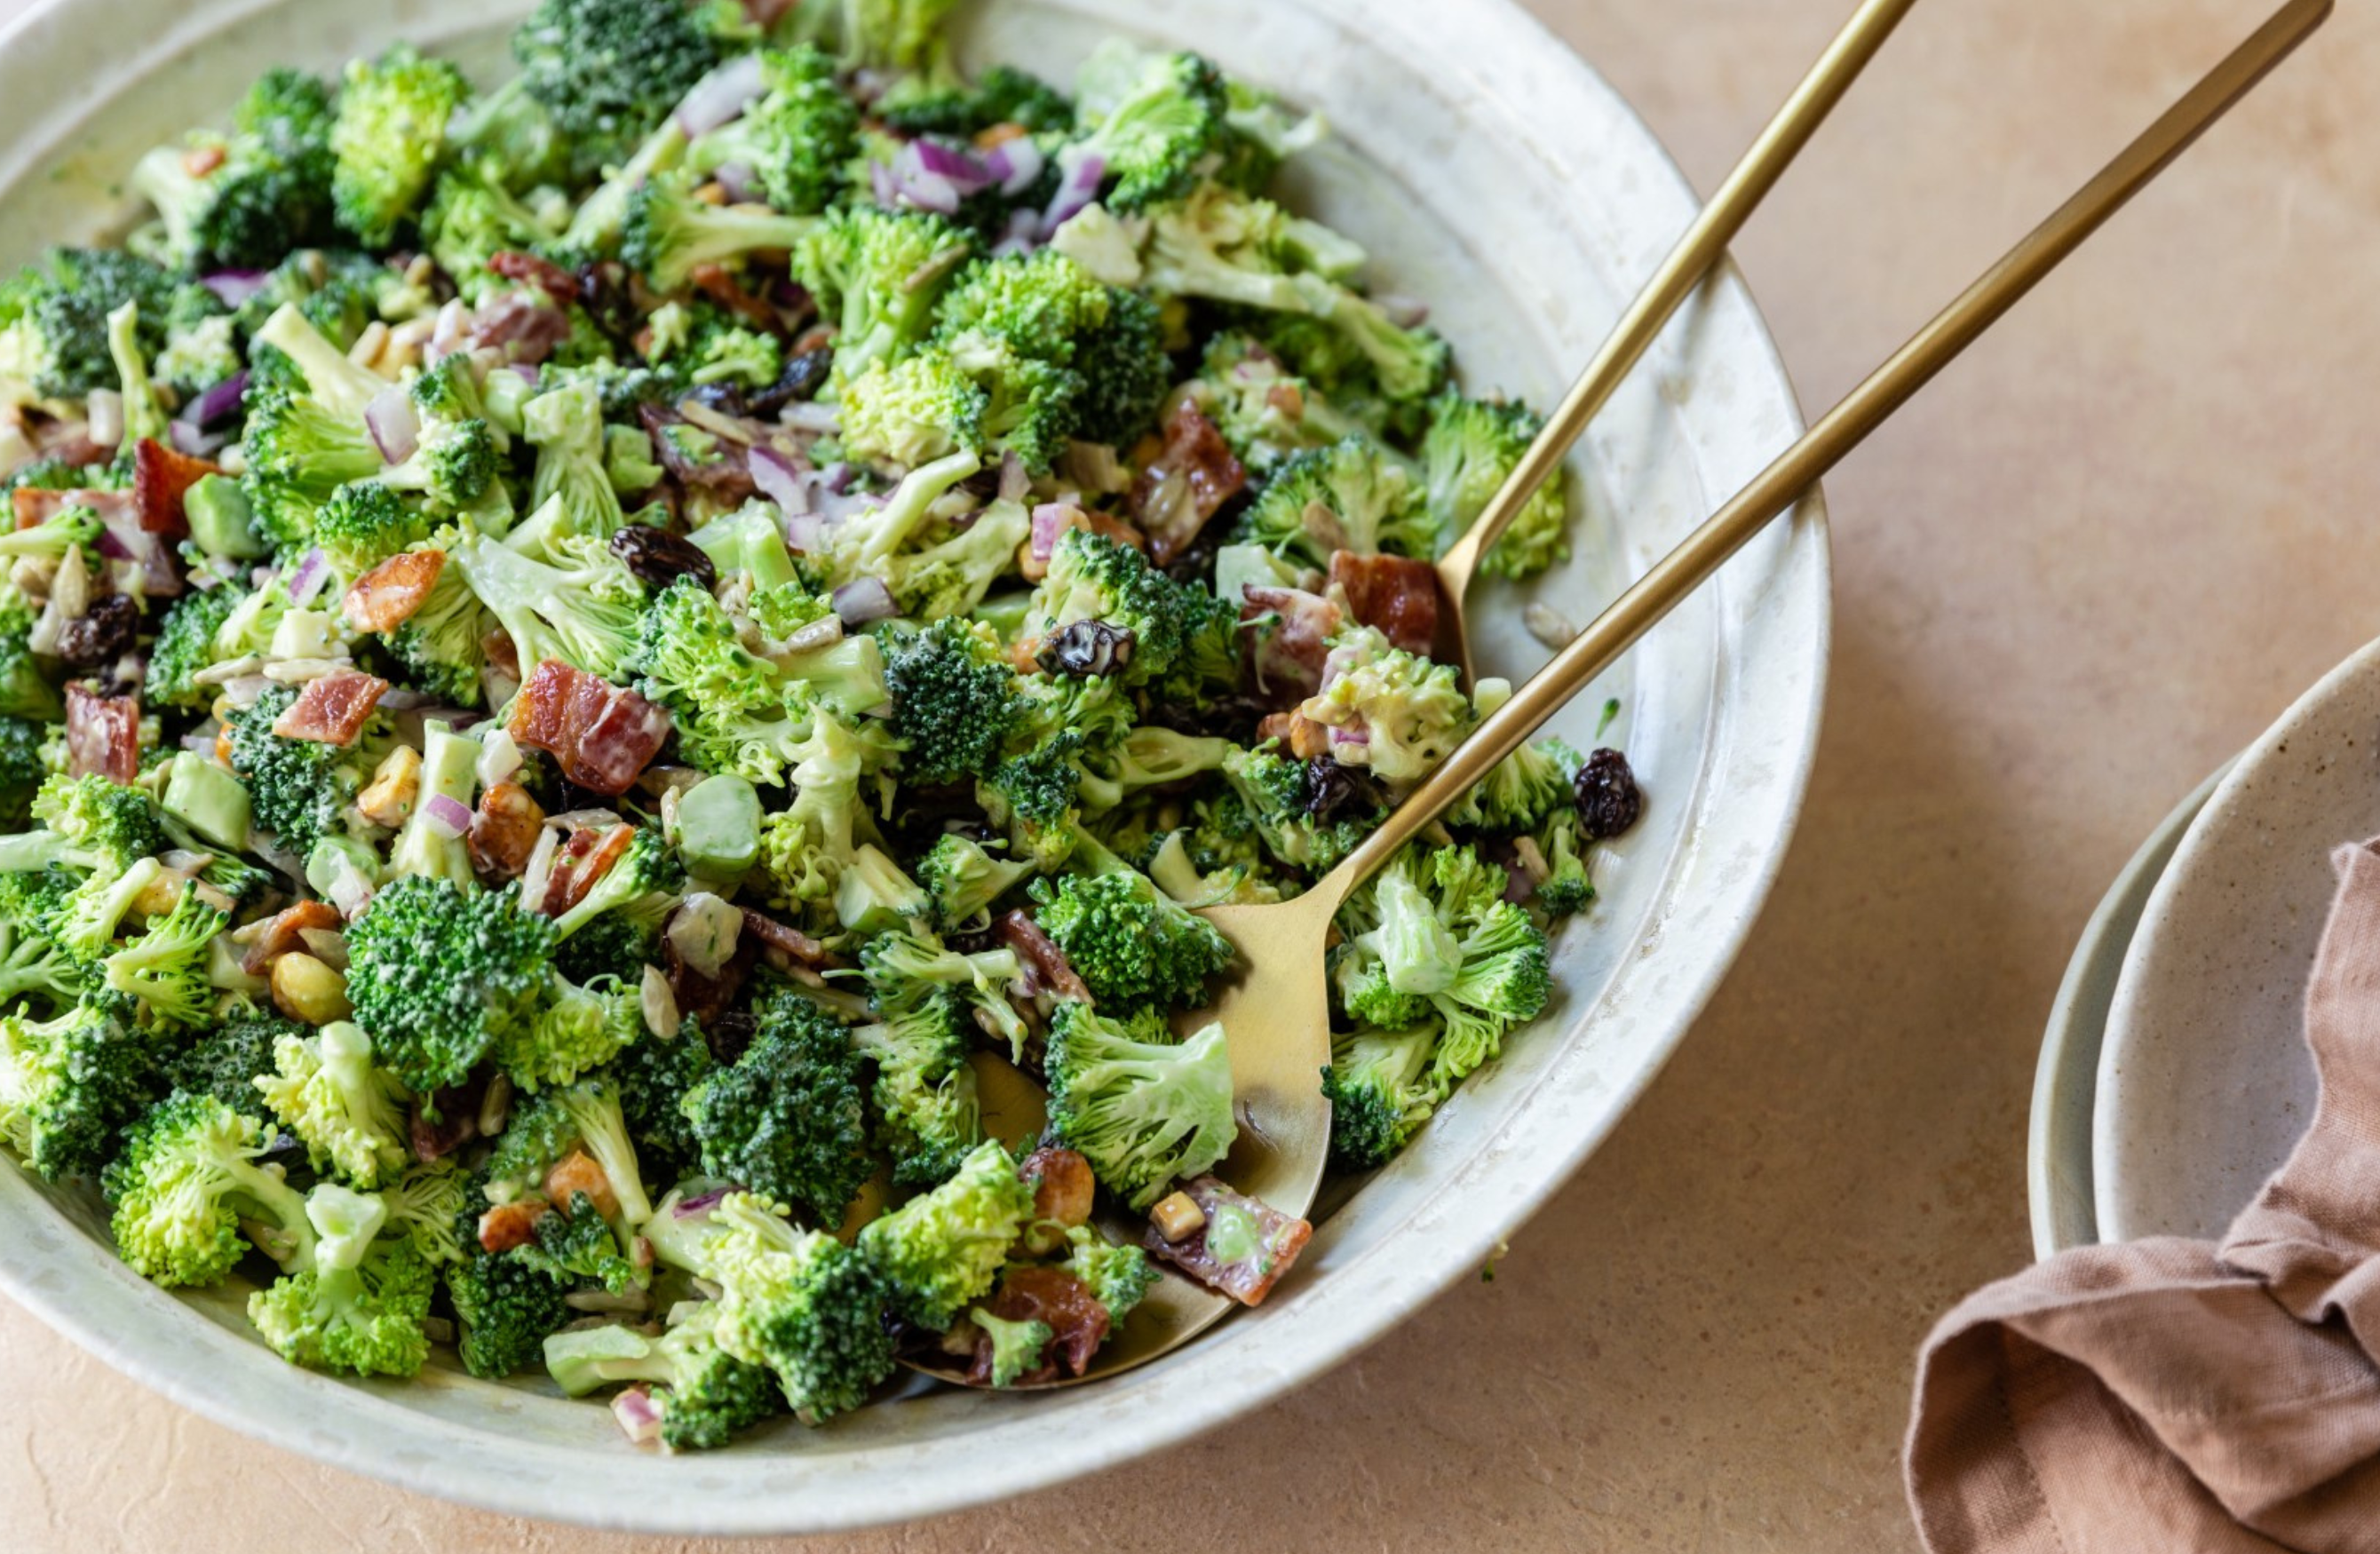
(366, 348)
(660, 1004)
(577, 1173)
(395, 787)
(327, 945)
(511, 1224)
(162, 894)
(1178, 1217)
(495, 1107)
(304, 989)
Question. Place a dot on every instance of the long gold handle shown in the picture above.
(1703, 244)
(1837, 433)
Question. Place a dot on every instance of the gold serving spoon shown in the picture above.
(1277, 1012)
(1702, 246)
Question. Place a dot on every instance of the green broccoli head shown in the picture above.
(242, 200)
(653, 1076)
(922, 408)
(186, 644)
(1143, 1107)
(709, 1394)
(67, 1084)
(940, 1252)
(1095, 578)
(54, 318)
(607, 72)
(1133, 946)
(953, 700)
(388, 139)
(366, 522)
(1397, 713)
(472, 216)
(585, 611)
(163, 972)
(438, 975)
(1526, 787)
(227, 1062)
(1472, 447)
(1354, 495)
(1152, 119)
(785, 1119)
(91, 825)
(669, 232)
(804, 1305)
(1125, 371)
(797, 140)
(348, 1114)
(925, 1091)
(358, 1303)
(576, 1029)
(1043, 304)
(576, 1244)
(186, 1177)
(876, 274)
(961, 880)
(1003, 94)
(907, 967)
(297, 789)
(506, 1309)
(440, 647)
(1378, 1087)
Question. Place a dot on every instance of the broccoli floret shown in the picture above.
(585, 612)
(67, 1084)
(297, 789)
(607, 72)
(565, 426)
(907, 967)
(669, 232)
(1015, 1346)
(228, 1060)
(1525, 787)
(1132, 944)
(388, 139)
(1378, 1094)
(25, 691)
(1407, 711)
(1273, 798)
(914, 411)
(244, 199)
(349, 1114)
(925, 1091)
(440, 645)
(1092, 577)
(894, 34)
(1125, 371)
(1349, 345)
(92, 825)
(438, 976)
(1223, 246)
(1352, 495)
(953, 700)
(692, 661)
(585, 1114)
(1151, 118)
(186, 644)
(1472, 448)
(653, 1076)
(187, 1176)
(710, 1395)
(472, 217)
(1043, 304)
(577, 1029)
(643, 882)
(1143, 1107)
(961, 880)
(54, 318)
(508, 138)
(803, 1304)
(796, 139)
(785, 1119)
(940, 1252)
(366, 522)
(576, 1244)
(356, 1302)
(54, 536)
(1568, 885)
(1028, 404)
(876, 274)
(31, 961)
(1118, 1277)
(506, 1307)
(806, 846)
(165, 970)
(1001, 95)
(22, 769)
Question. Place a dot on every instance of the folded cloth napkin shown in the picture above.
(2173, 1395)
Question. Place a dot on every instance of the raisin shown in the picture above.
(659, 558)
(1608, 799)
(1330, 788)
(102, 634)
(1087, 647)
(801, 378)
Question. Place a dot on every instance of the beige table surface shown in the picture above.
(2094, 560)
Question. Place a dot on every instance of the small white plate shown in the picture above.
(2205, 1082)
(2065, 1080)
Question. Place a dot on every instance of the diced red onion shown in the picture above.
(121, 538)
(777, 480)
(220, 402)
(838, 476)
(233, 287)
(311, 573)
(111, 545)
(1077, 187)
(188, 439)
(1015, 164)
(1405, 312)
(1518, 886)
(1350, 736)
(804, 533)
(701, 1203)
(446, 815)
(1050, 520)
(735, 180)
(1022, 237)
(638, 1415)
(1014, 481)
(864, 600)
(883, 186)
(395, 430)
(721, 96)
(965, 174)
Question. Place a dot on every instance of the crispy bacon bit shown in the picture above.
(285, 931)
(387, 596)
(577, 1173)
(718, 283)
(1186, 483)
(1062, 1188)
(1285, 634)
(792, 941)
(446, 1120)
(1395, 595)
(601, 735)
(102, 735)
(584, 858)
(1047, 967)
(512, 1224)
(1078, 1323)
(544, 274)
(161, 477)
(525, 329)
(333, 709)
(504, 830)
(1262, 1241)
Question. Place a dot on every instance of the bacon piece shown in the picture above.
(1048, 970)
(1273, 1241)
(446, 1120)
(1062, 1189)
(285, 930)
(600, 735)
(333, 709)
(161, 477)
(584, 858)
(102, 735)
(387, 596)
(1395, 595)
(577, 1173)
(503, 830)
(525, 329)
(792, 941)
(502, 655)
(1078, 1323)
(544, 274)
(35, 506)
(1285, 635)
(1187, 483)
(508, 1225)
(718, 283)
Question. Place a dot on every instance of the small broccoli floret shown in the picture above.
(1407, 711)
(578, 1028)
(585, 614)
(953, 700)
(1125, 371)
(565, 426)
(438, 975)
(1140, 1106)
(785, 1118)
(1118, 1277)
(952, 576)
(1092, 577)
(364, 523)
(23, 769)
(585, 1114)
(1015, 1346)
(1029, 406)
(1151, 118)
(506, 1307)
(472, 217)
(961, 880)
(227, 1062)
(669, 232)
(357, 1302)
(692, 658)
(1378, 1094)
(25, 690)
(1568, 885)
(1273, 797)
(165, 970)
(907, 967)
(710, 1395)
(31, 961)
(67, 1084)
(1350, 346)
(1132, 945)
(440, 644)
(653, 1076)
(1003, 94)
(186, 644)
(643, 882)
(186, 1178)
(242, 200)
(92, 825)
(1223, 247)
(925, 1091)
(54, 536)
(1043, 304)
(876, 274)
(1352, 495)
(940, 1252)
(54, 318)
(607, 72)
(576, 1244)
(388, 139)
(1472, 448)
(914, 411)
(797, 140)
(805, 847)
(804, 1305)
(349, 1114)
(1526, 787)
(297, 789)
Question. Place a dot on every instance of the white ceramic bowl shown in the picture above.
(1491, 173)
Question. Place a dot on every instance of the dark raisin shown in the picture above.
(726, 398)
(1330, 788)
(731, 1034)
(974, 943)
(1608, 799)
(102, 634)
(660, 558)
(1195, 568)
(1085, 648)
(984, 484)
(801, 378)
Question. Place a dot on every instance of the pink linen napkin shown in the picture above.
(2175, 1395)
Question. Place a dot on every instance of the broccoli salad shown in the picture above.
(579, 662)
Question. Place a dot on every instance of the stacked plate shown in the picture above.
(2174, 1078)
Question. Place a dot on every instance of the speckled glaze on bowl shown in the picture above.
(1490, 172)
(2205, 1080)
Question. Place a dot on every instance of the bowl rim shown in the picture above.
(1303, 1342)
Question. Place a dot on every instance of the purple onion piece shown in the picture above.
(913, 184)
(1050, 520)
(701, 1203)
(447, 816)
(736, 181)
(395, 430)
(777, 479)
(838, 476)
(806, 533)
(1350, 736)
(721, 96)
(964, 174)
(1015, 483)
(1015, 164)
(220, 402)
(639, 1417)
(307, 580)
(1022, 237)
(884, 185)
(1077, 187)
(864, 600)
(188, 439)
(233, 287)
